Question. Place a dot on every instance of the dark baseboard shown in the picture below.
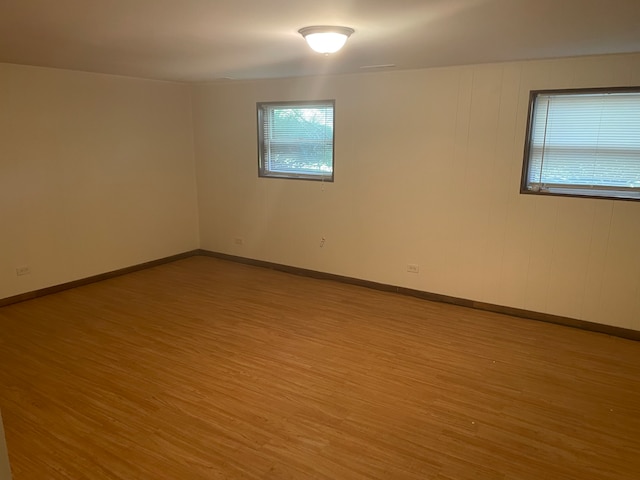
(95, 278)
(436, 297)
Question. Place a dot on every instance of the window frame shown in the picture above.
(569, 191)
(264, 172)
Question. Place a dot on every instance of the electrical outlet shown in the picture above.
(238, 241)
(25, 270)
(413, 268)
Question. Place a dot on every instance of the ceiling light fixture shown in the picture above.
(326, 39)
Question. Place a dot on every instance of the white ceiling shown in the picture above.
(205, 40)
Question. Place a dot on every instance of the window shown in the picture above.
(583, 143)
(295, 140)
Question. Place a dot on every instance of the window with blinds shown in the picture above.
(295, 140)
(583, 143)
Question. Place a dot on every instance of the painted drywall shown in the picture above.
(427, 172)
(96, 174)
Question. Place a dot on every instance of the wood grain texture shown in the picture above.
(92, 279)
(5, 469)
(435, 297)
(207, 369)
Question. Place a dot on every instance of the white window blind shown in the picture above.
(585, 144)
(296, 140)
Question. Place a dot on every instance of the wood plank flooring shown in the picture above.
(206, 369)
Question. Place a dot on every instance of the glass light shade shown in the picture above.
(326, 39)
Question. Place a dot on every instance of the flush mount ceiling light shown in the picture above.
(325, 39)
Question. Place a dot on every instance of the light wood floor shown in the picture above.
(205, 369)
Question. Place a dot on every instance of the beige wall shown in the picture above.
(96, 174)
(427, 168)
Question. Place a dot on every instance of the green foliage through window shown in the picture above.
(295, 140)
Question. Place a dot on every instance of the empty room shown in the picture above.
(320, 240)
